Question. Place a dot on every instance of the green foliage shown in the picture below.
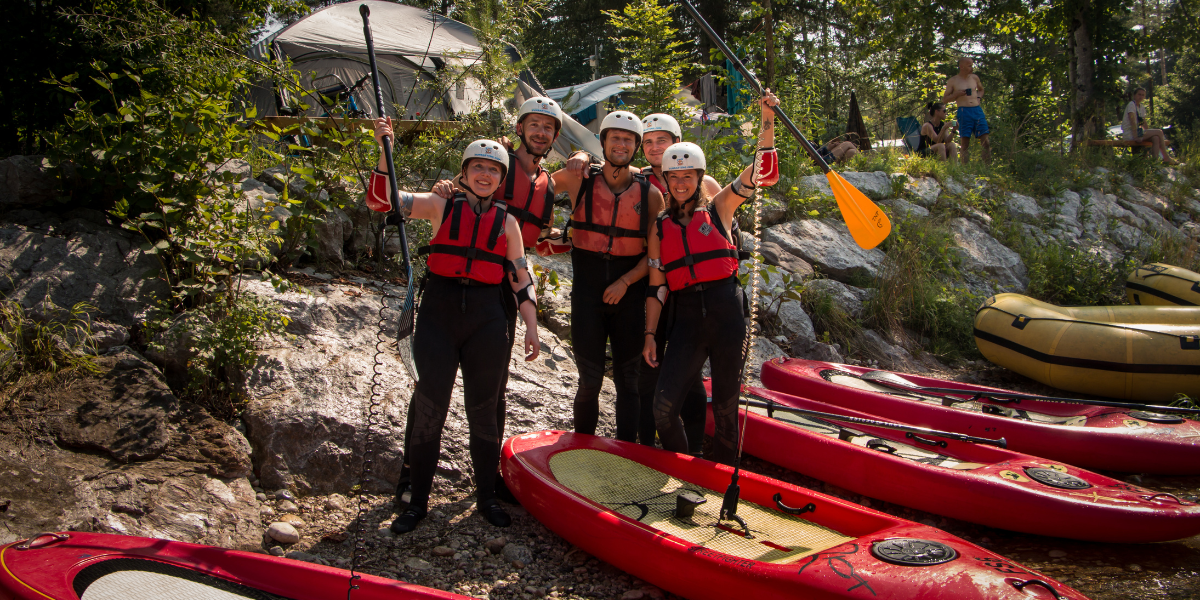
(650, 47)
(37, 350)
(1181, 99)
(1064, 274)
(498, 25)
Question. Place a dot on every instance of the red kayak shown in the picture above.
(964, 480)
(1092, 437)
(71, 565)
(654, 514)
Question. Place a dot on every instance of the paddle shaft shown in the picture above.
(787, 122)
(387, 142)
(1019, 397)
(772, 405)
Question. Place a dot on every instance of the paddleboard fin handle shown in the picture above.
(928, 442)
(778, 498)
(1020, 585)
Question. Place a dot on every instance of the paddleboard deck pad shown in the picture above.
(971, 482)
(655, 514)
(1091, 437)
(75, 565)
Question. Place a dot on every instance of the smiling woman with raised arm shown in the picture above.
(477, 277)
(693, 260)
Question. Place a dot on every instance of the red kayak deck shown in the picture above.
(1092, 437)
(72, 565)
(971, 482)
(617, 501)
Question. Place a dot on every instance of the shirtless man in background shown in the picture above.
(966, 90)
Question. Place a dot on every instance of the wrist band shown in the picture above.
(648, 332)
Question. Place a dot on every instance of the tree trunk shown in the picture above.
(1083, 109)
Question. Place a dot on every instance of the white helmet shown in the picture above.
(622, 119)
(541, 105)
(662, 122)
(486, 149)
(683, 156)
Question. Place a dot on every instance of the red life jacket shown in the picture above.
(662, 187)
(470, 246)
(532, 205)
(616, 226)
(698, 252)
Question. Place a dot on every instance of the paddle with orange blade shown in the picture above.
(867, 223)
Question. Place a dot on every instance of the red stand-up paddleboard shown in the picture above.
(653, 514)
(971, 482)
(96, 566)
(1092, 437)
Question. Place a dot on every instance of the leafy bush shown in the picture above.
(1064, 274)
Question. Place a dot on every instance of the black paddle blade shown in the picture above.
(730, 503)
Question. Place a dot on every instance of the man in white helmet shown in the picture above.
(611, 208)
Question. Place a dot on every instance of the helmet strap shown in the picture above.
(536, 157)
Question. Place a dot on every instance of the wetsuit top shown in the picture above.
(470, 246)
(532, 203)
(697, 252)
(615, 226)
(927, 142)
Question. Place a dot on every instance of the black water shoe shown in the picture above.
(493, 513)
(407, 521)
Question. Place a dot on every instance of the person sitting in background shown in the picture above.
(937, 135)
(1133, 122)
(839, 151)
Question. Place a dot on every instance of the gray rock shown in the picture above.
(890, 356)
(236, 167)
(876, 186)
(924, 191)
(515, 553)
(288, 506)
(847, 298)
(775, 255)
(772, 212)
(1146, 199)
(418, 564)
(496, 545)
(276, 551)
(797, 327)
(827, 244)
(761, 351)
(442, 551)
(332, 233)
(907, 210)
(283, 532)
(1023, 208)
(108, 335)
(825, 352)
(26, 181)
(981, 253)
(308, 396)
(302, 556)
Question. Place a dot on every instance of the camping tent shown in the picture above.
(413, 47)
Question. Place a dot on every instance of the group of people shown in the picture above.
(966, 90)
(653, 248)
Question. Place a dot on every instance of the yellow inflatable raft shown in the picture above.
(1147, 353)
(1159, 284)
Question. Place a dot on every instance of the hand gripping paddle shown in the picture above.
(867, 223)
(408, 310)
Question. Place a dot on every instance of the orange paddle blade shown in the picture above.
(868, 224)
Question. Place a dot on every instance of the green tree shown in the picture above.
(652, 50)
(1181, 97)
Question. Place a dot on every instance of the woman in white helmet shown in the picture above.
(611, 209)
(476, 265)
(693, 259)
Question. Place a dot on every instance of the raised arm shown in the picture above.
(726, 201)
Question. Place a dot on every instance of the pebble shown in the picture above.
(261, 497)
(417, 564)
(304, 556)
(1135, 568)
(266, 511)
(1058, 554)
(283, 533)
(288, 506)
(276, 551)
(653, 592)
(515, 553)
(335, 502)
(284, 494)
(443, 551)
(293, 520)
(633, 595)
(495, 545)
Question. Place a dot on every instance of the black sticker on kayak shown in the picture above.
(1056, 479)
(913, 552)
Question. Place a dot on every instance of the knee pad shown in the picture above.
(591, 375)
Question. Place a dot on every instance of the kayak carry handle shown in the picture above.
(928, 442)
(778, 498)
(1162, 494)
(32, 543)
(1020, 585)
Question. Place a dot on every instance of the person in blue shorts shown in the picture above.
(966, 90)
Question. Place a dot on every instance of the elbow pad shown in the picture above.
(526, 295)
(657, 292)
(766, 167)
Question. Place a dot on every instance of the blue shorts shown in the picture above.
(971, 122)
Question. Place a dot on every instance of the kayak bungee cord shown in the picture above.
(403, 334)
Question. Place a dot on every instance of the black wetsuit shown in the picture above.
(621, 325)
(457, 325)
(708, 323)
(695, 405)
(926, 145)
